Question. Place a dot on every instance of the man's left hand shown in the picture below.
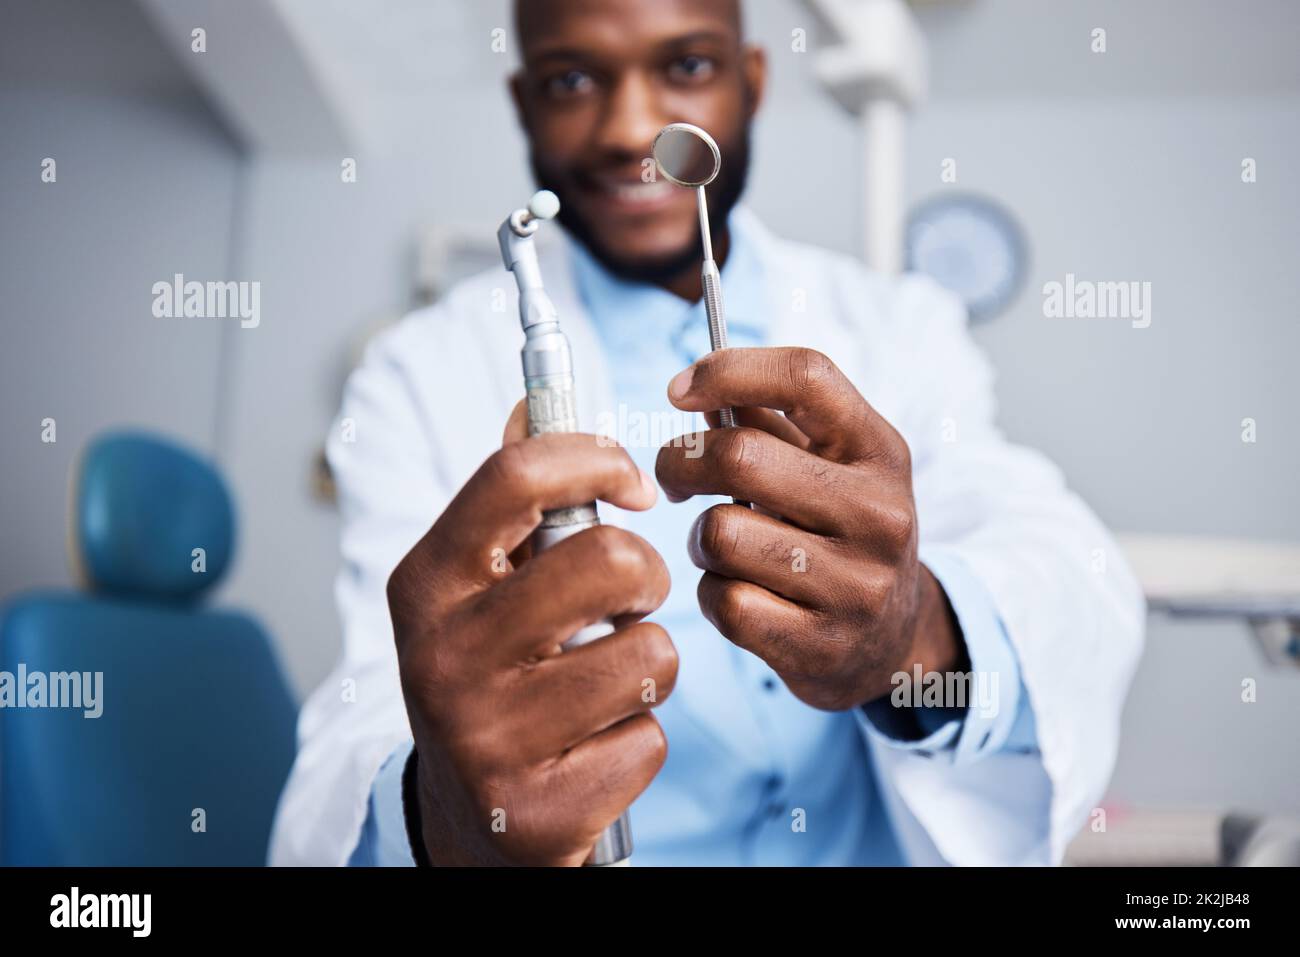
(821, 579)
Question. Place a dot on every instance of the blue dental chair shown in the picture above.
(194, 735)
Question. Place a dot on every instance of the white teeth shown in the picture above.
(641, 192)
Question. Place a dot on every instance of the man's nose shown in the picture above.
(632, 117)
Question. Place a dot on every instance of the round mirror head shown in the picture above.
(687, 155)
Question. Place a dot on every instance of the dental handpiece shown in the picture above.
(549, 391)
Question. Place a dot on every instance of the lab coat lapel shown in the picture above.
(803, 309)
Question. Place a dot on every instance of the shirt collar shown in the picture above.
(639, 316)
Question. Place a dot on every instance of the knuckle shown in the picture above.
(892, 451)
(626, 471)
(899, 528)
(652, 744)
(659, 654)
(903, 455)
(398, 588)
(732, 607)
(484, 752)
(514, 464)
(659, 578)
(811, 370)
(651, 573)
(404, 582)
(425, 674)
(412, 612)
(719, 534)
(616, 552)
(877, 590)
(736, 450)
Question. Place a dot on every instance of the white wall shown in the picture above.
(146, 182)
(1147, 422)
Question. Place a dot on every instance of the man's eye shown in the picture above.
(691, 69)
(569, 83)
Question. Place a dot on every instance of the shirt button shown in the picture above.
(773, 783)
(769, 684)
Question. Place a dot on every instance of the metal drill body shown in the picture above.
(552, 407)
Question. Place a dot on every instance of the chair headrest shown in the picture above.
(149, 519)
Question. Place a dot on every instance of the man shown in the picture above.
(895, 533)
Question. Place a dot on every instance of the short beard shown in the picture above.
(723, 194)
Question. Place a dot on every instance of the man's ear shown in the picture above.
(515, 83)
(754, 69)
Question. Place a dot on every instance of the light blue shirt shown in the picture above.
(772, 781)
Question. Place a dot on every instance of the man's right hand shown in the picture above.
(525, 754)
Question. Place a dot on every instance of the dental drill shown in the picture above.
(548, 386)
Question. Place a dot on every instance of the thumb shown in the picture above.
(517, 425)
(516, 430)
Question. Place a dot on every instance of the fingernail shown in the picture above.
(648, 484)
(681, 383)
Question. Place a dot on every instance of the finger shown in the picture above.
(601, 777)
(516, 430)
(569, 698)
(600, 573)
(804, 384)
(737, 542)
(749, 616)
(503, 501)
(757, 467)
(517, 424)
(773, 423)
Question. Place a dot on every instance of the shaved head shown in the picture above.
(534, 17)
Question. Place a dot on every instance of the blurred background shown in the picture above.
(1125, 164)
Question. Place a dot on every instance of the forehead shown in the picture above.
(619, 27)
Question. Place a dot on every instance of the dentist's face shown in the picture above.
(600, 79)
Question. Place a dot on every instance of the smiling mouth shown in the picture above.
(635, 194)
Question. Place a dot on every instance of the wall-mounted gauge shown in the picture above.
(971, 246)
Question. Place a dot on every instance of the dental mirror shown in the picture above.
(688, 156)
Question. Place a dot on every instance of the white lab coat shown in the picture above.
(428, 404)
